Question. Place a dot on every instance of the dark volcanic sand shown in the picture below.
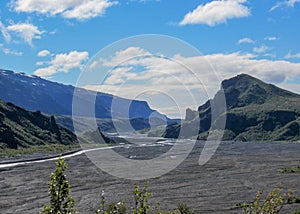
(234, 174)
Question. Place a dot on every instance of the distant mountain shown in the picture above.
(109, 125)
(34, 93)
(256, 111)
(22, 129)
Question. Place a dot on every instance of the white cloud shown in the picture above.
(43, 53)
(119, 75)
(288, 3)
(273, 71)
(291, 3)
(46, 72)
(271, 38)
(272, 55)
(53, 32)
(8, 51)
(159, 69)
(291, 87)
(245, 40)
(4, 32)
(126, 56)
(162, 69)
(62, 63)
(40, 63)
(176, 99)
(261, 49)
(216, 12)
(93, 65)
(189, 81)
(26, 31)
(143, 1)
(88, 10)
(290, 56)
(71, 9)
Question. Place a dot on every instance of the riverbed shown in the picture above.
(235, 173)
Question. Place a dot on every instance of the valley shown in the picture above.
(149, 107)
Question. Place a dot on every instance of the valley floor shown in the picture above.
(234, 174)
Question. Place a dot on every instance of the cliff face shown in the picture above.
(21, 129)
(256, 111)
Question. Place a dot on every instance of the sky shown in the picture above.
(202, 43)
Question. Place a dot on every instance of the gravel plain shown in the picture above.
(234, 174)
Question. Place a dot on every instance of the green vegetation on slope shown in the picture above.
(21, 129)
(48, 150)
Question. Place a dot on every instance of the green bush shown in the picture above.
(272, 203)
(61, 202)
(141, 198)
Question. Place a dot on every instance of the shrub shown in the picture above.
(141, 198)
(61, 202)
(272, 203)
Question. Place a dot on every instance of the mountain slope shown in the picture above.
(256, 111)
(22, 129)
(34, 93)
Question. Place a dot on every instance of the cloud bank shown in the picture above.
(135, 71)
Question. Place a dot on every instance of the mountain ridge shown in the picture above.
(34, 93)
(256, 111)
(251, 91)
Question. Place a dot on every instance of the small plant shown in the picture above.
(272, 203)
(184, 209)
(61, 202)
(114, 208)
(102, 204)
(293, 169)
(117, 208)
(141, 205)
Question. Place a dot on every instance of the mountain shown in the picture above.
(256, 111)
(34, 93)
(23, 129)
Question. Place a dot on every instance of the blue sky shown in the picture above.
(55, 39)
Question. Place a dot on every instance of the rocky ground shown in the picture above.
(234, 174)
